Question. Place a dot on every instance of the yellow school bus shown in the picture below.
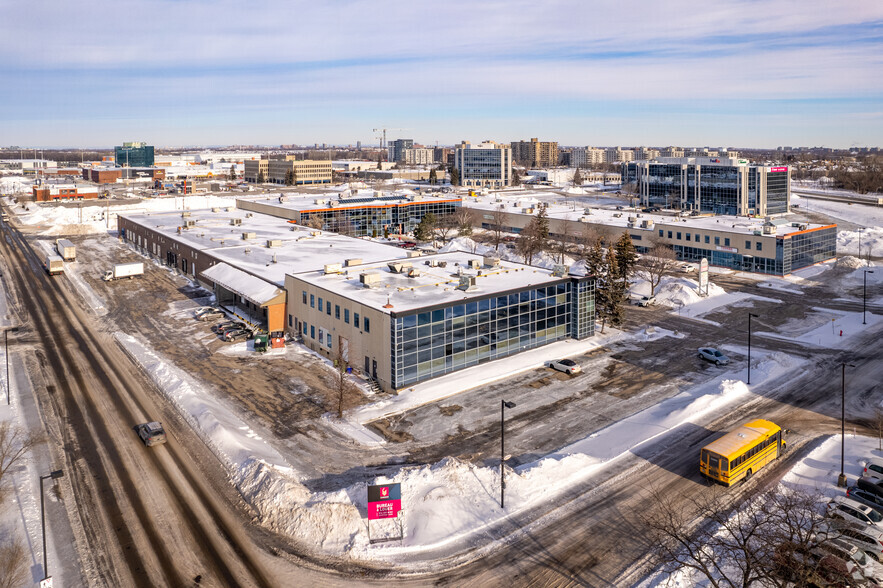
(741, 453)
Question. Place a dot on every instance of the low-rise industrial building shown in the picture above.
(51, 192)
(403, 322)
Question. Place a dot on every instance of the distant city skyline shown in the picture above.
(745, 73)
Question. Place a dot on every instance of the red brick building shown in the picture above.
(63, 191)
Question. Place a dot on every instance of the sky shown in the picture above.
(742, 73)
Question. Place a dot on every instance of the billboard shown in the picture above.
(384, 501)
(778, 169)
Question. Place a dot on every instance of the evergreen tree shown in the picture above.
(626, 258)
(432, 177)
(455, 177)
(615, 289)
(595, 261)
(577, 178)
(543, 223)
(261, 178)
(289, 178)
(423, 232)
(516, 177)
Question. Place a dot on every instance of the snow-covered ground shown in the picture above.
(869, 218)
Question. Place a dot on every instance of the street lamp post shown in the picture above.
(6, 354)
(54, 475)
(749, 345)
(503, 406)
(841, 479)
(865, 295)
(860, 230)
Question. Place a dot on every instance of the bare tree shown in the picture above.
(344, 389)
(878, 424)
(13, 563)
(444, 227)
(497, 226)
(14, 444)
(315, 222)
(564, 241)
(755, 543)
(530, 241)
(589, 235)
(464, 218)
(658, 262)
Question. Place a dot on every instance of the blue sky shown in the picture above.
(191, 72)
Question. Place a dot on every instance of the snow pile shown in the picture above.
(675, 291)
(575, 190)
(871, 238)
(542, 259)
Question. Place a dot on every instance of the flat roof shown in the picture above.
(299, 248)
(349, 199)
(574, 206)
(396, 292)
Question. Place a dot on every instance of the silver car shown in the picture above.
(868, 539)
(853, 511)
(713, 355)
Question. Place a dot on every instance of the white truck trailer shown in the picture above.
(66, 249)
(124, 270)
(54, 264)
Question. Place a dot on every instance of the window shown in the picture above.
(337, 311)
(759, 245)
(305, 296)
(688, 236)
(660, 232)
(321, 336)
(726, 241)
(747, 244)
(313, 331)
(328, 309)
(707, 239)
(367, 325)
(289, 320)
(669, 234)
(312, 301)
(329, 341)
(320, 305)
(679, 238)
(356, 319)
(717, 240)
(346, 315)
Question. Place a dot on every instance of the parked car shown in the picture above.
(874, 468)
(209, 314)
(870, 485)
(814, 567)
(868, 539)
(713, 355)
(644, 300)
(568, 366)
(875, 501)
(851, 510)
(687, 267)
(849, 552)
(220, 328)
(240, 334)
(151, 433)
(651, 209)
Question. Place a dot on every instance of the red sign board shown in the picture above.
(384, 501)
(778, 169)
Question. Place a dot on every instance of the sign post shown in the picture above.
(703, 277)
(384, 502)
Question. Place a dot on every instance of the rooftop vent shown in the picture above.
(216, 209)
(474, 264)
(235, 221)
(559, 271)
(274, 243)
(189, 223)
(184, 214)
(467, 284)
(247, 236)
(398, 267)
(491, 261)
(315, 233)
(413, 272)
(352, 262)
(248, 215)
(332, 268)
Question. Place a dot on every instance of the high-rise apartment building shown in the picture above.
(535, 153)
(416, 156)
(671, 152)
(643, 153)
(485, 165)
(617, 155)
(395, 149)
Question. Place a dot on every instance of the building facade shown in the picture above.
(484, 165)
(535, 153)
(617, 155)
(253, 169)
(382, 319)
(711, 184)
(134, 154)
(395, 149)
(417, 156)
(52, 192)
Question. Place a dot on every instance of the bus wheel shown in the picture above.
(748, 475)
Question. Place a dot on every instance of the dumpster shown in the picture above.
(260, 343)
(277, 339)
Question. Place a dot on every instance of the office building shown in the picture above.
(305, 172)
(484, 165)
(716, 185)
(134, 154)
(535, 153)
(404, 322)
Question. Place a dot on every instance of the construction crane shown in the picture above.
(383, 136)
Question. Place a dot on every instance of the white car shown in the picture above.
(853, 511)
(713, 355)
(568, 366)
(874, 468)
(687, 267)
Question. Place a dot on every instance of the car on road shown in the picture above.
(644, 300)
(209, 314)
(687, 267)
(651, 209)
(847, 509)
(568, 366)
(874, 469)
(239, 334)
(875, 501)
(151, 433)
(713, 355)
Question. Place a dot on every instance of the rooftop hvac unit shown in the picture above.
(352, 262)
(216, 209)
(274, 243)
(527, 210)
(559, 271)
(443, 264)
(320, 201)
(332, 268)
(247, 236)
(491, 261)
(413, 253)
(248, 215)
(370, 280)
(467, 284)
(184, 214)
(235, 221)
(647, 224)
(413, 272)
(315, 233)
(189, 223)
(398, 267)
(617, 215)
(631, 219)
(474, 264)
(587, 211)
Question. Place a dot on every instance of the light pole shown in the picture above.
(749, 345)
(53, 475)
(865, 295)
(841, 479)
(860, 230)
(6, 354)
(503, 406)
